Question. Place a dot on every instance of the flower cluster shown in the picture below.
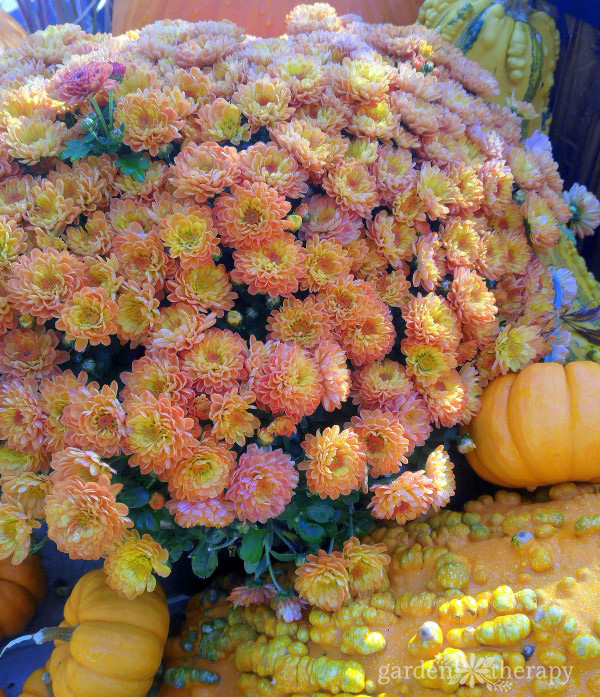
(243, 280)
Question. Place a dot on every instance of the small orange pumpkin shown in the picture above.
(540, 426)
(22, 589)
(34, 685)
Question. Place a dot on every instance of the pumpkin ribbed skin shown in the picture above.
(117, 645)
(520, 48)
(509, 581)
(11, 32)
(22, 589)
(540, 426)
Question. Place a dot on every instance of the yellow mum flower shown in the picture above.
(30, 138)
(367, 567)
(16, 527)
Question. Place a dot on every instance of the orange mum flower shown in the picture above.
(395, 241)
(73, 462)
(30, 353)
(322, 216)
(446, 399)
(159, 374)
(471, 381)
(89, 316)
(263, 484)
(14, 462)
(543, 225)
(326, 261)
(141, 256)
(416, 420)
(102, 273)
(352, 187)
(201, 171)
(430, 320)
(159, 435)
(436, 190)
(404, 499)
(213, 513)
(497, 182)
(300, 322)
(462, 243)
(22, 422)
(431, 262)
(206, 288)
(41, 282)
(253, 593)
(74, 83)
(440, 470)
(274, 167)
(16, 527)
(137, 313)
(217, 361)
(179, 328)
(231, 417)
(378, 383)
(367, 567)
(393, 288)
(336, 377)
(329, 113)
(344, 300)
(95, 419)
(190, 237)
(251, 216)
(288, 381)
(323, 580)
(383, 439)
(336, 462)
(13, 243)
(55, 395)
(264, 101)
(221, 121)
(8, 317)
(370, 338)
(132, 561)
(29, 490)
(93, 238)
(84, 518)
(274, 269)
(314, 149)
(204, 474)
(474, 304)
(516, 347)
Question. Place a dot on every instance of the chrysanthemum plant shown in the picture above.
(251, 288)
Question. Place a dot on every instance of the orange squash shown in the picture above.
(22, 589)
(262, 18)
(540, 426)
(11, 32)
(34, 685)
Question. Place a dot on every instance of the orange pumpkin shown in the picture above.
(261, 18)
(22, 588)
(11, 32)
(540, 426)
(34, 685)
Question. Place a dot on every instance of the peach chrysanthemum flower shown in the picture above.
(51, 209)
(137, 313)
(131, 563)
(516, 347)
(431, 262)
(369, 338)
(362, 150)
(275, 268)
(178, 328)
(289, 381)
(55, 395)
(314, 149)
(378, 383)
(203, 474)
(303, 75)
(212, 513)
(394, 288)
(330, 113)
(160, 374)
(323, 580)
(497, 182)
(13, 243)
(406, 498)
(543, 226)
(206, 287)
(204, 49)
(13, 462)
(335, 373)
(436, 190)
(352, 187)
(217, 361)
(8, 316)
(30, 353)
(251, 216)
(367, 567)
(462, 243)
(123, 212)
(439, 469)
(421, 116)
(29, 489)
(275, 167)
(220, 121)
(89, 316)
(103, 273)
(471, 381)
(525, 168)
(322, 216)
(84, 518)
(585, 210)
(253, 593)
(346, 299)
(288, 607)
(22, 422)
(264, 101)
(384, 442)
(16, 527)
(190, 237)
(393, 170)
(262, 484)
(232, 419)
(395, 241)
(141, 256)
(326, 261)
(32, 138)
(408, 208)
(431, 320)
(414, 415)
(155, 178)
(425, 363)
(73, 462)
(80, 79)
(375, 121)
(361, 80)
(95, 237)
(95, 419)
(336, 462)
(201, 171)
(159, 434)
(300, 322)
(470, 298)
(41, 282)
(446, 399)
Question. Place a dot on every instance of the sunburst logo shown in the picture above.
(474, 669)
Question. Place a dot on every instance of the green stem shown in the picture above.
(41, 636)
(269, 564)
(97, 109)
(111, 106)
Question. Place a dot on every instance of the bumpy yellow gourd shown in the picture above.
(520, 48)
(504, 595)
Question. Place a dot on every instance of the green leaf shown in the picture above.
(76, 150)
(310, 532)
(320, 512)
(286, 556)
(252, 545)
(204, 560)
(134, 497)
(134, 164)
(145, 522)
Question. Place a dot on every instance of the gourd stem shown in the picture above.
(43, 635)
(47, 680)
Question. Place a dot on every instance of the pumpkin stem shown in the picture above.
(46, 679)
(43, 635)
